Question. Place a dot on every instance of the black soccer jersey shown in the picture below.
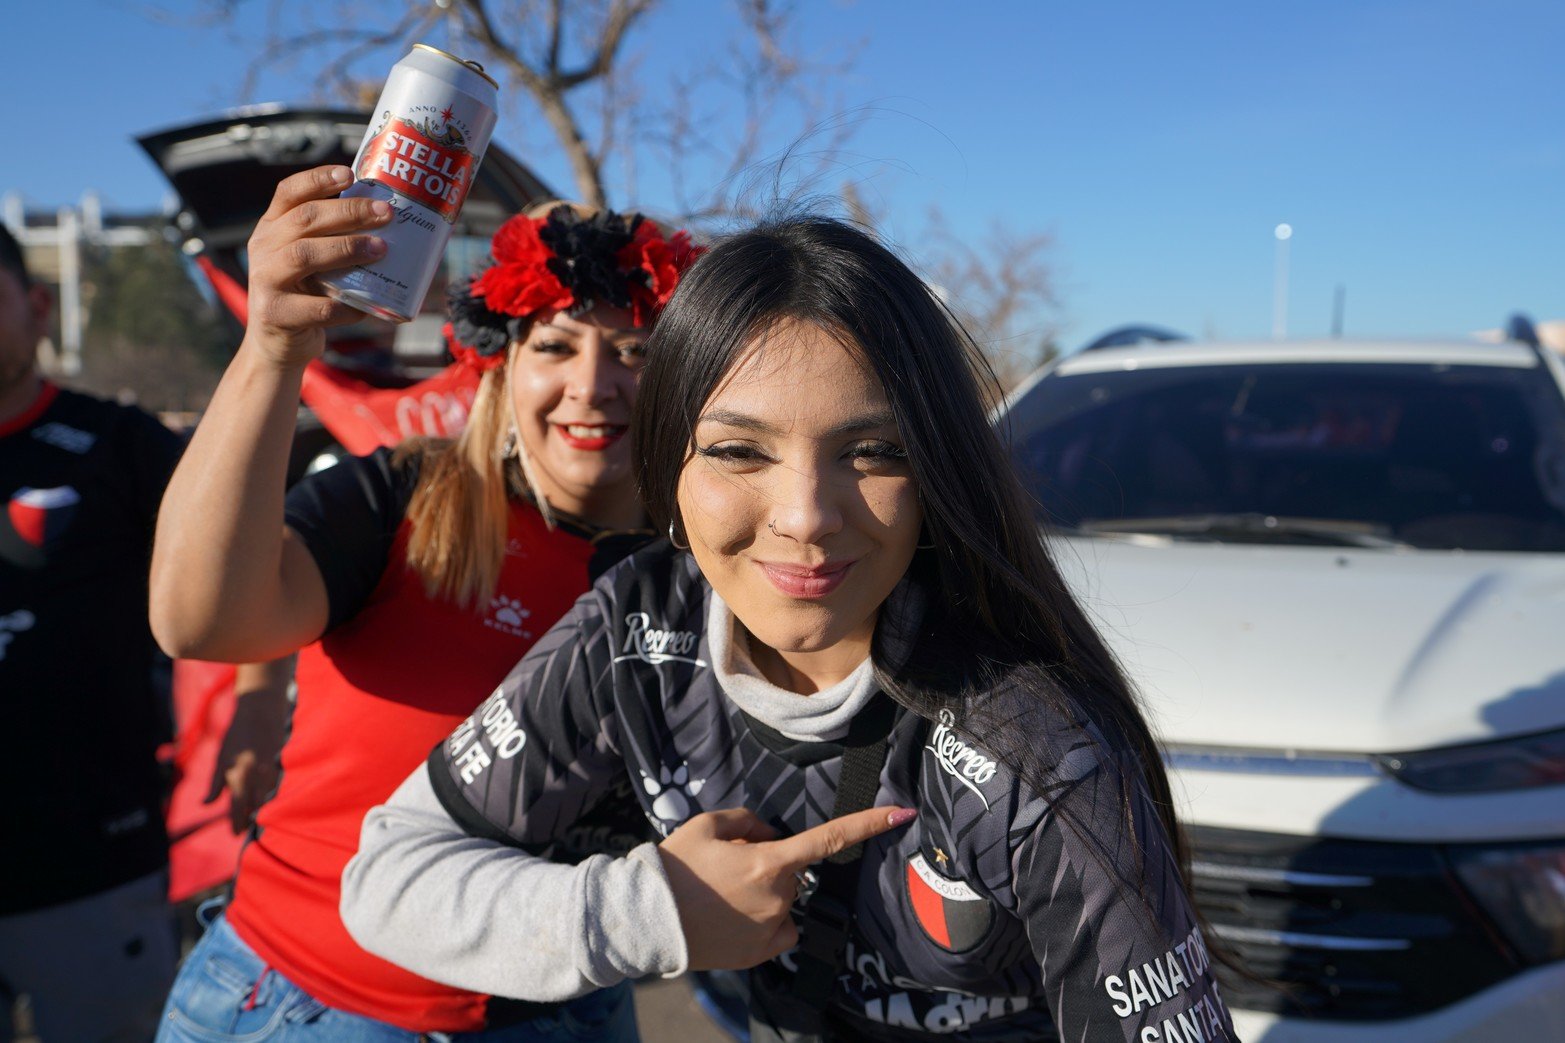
(80, 480)
(992, 916)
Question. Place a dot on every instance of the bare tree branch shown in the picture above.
(713, 129)
(622, 15)
(766, 23)
(556, 25)
(1001, 288)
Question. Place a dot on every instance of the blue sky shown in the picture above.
(1417, 147)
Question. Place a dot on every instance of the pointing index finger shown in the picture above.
(828, 838)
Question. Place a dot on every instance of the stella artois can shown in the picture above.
(425, 139)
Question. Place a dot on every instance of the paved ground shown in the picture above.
(666, 1012)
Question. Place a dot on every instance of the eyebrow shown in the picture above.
(851, 426)
(609, 333)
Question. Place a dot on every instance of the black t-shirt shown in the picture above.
(1003, 911)
(348, 516)
(80, 480)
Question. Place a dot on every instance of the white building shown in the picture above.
(54, 242)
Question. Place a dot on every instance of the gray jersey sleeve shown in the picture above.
(448, 882)
(1107, 914)
(481, 915)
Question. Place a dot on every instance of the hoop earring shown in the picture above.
(671, 539)
(925, 546)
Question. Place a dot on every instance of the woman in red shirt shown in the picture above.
(409, 581)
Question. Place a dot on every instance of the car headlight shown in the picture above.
(1509, 764)
(1522, 888)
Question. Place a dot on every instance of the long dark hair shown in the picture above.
(1003, 611)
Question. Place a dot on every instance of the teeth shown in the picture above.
(583, 431)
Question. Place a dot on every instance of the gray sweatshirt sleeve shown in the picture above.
(477, 914)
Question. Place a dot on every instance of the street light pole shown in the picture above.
(1283, 232)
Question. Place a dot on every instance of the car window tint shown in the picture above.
(1445, 456)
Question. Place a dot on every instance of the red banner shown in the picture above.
(363, 417)
(203, 850)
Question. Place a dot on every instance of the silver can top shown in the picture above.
(469, 64)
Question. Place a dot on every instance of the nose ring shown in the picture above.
(773, 526)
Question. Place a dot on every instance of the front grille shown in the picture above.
(1347, 930)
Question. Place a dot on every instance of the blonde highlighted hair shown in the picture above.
(460, 510)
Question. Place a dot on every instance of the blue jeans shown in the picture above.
(224, 994)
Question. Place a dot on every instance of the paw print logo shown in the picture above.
(506, 614)
(509, 611)
(671, 792)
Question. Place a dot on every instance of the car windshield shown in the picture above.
(1350, 454)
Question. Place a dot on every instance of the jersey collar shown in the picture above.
(27, 417)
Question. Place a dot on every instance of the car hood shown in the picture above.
(1311, 649)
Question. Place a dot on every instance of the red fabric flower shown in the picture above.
(664, 261)
(520, 282)
(685, 252)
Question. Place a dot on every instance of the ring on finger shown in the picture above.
(805, 883)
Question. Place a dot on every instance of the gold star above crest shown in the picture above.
(941, 858)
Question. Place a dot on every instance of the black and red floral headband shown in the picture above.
(563, 262)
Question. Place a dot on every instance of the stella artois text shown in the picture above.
(425, 140)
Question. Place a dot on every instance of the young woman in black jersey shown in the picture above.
(853, 601)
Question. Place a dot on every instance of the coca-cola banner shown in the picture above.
(363, 417)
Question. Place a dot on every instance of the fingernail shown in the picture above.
(375, 247)
(380, 208)
(902, 816)
(342, 175)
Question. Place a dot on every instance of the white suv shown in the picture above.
(1336, 571)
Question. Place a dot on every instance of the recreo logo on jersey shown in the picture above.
(64, 436)
(652, 645)
(957, 759)
(430, 167)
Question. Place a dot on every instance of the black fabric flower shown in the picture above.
(587, 255)
(474, 326)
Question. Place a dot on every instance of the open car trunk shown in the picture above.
(225, 168)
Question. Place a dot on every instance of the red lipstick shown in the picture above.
(590, 437)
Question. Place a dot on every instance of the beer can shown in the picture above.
(425, 140)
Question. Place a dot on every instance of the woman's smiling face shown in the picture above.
(798, 502)
(573, 382)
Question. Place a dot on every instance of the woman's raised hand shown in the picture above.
(734, 884)
(307, 230)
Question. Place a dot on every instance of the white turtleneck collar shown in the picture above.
(823, 715)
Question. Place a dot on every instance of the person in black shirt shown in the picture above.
(853, 606)
(85, 930)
